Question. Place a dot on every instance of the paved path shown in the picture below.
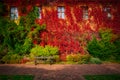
(59, 71)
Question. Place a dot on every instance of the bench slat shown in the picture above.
(44, 58)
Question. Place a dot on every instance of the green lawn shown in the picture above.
(102, 77)
(16, 77)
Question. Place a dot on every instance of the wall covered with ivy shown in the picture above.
(71, 34)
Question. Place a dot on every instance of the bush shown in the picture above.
(95, 60)
(43, 51)
(84, 59)
(16, 37)
(36, 51)
(117, 50)
(12, 58)
(78, 58)
(72, 58)
(103, 48)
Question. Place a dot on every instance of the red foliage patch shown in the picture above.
(72, 33)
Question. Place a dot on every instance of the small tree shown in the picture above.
(16, 39)
(105, 49)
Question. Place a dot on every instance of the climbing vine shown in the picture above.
(73, 33)
(18, 39)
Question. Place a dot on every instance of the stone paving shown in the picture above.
(59, 71)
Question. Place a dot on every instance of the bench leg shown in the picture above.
(51, 62)
(35, 62)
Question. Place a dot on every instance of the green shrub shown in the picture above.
(117, 50)
(106, 34)
(43, 51)
(16, 37)
(36, 51)
(84, 59)
(26, 46)
(70, 58)
(78, 58)
(12, 58)
(73, 57)
(95, 60)
(103, 48)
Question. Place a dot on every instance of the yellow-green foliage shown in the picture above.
(44, 51)
(12, 58)
(78, 58)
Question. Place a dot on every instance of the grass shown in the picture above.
(16, 77)
(102, 77)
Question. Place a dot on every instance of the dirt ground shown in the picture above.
(59, 71)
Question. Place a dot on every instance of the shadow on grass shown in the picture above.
(102, 77)
(16, 77)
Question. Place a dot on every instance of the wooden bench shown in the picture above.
(49, 59)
